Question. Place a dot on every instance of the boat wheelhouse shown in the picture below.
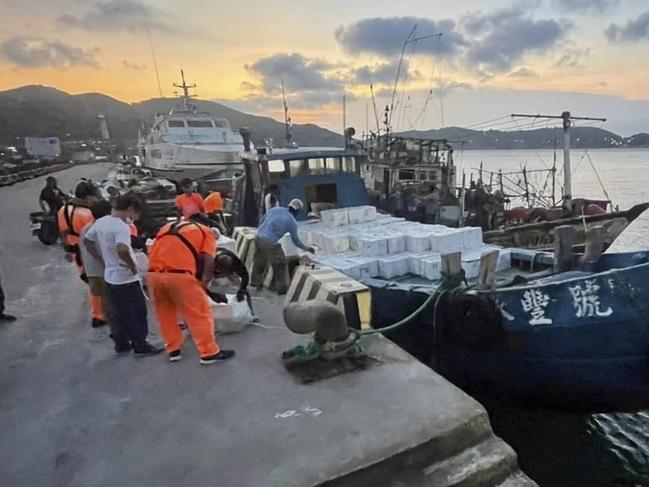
(414, 178)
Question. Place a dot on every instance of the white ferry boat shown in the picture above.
(189, 143)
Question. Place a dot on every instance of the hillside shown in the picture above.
(582, 138)
(42, 111)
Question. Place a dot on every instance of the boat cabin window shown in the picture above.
(297, 168)
(221, 124)
(406, 175)
(332, 164)
(200, 123)
(156, 153)
(349, 164)
(276, 168)
(316, 166)
(175, 123)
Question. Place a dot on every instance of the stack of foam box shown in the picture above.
(364, 244)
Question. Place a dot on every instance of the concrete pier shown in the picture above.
(74, 414)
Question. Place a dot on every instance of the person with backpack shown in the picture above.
(72, 217)
(181, 264)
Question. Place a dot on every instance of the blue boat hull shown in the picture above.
(579, 343)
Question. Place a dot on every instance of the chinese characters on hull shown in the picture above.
(534, 303)
(586, 300)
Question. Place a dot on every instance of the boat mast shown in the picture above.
(287, 119)
(567, 124)
(185, 87)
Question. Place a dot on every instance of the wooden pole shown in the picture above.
(564, 237)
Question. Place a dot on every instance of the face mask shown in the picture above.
(129, 220)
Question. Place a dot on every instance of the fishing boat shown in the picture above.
(576, 336)
(577, 339)
(416, 178)
(190, 143)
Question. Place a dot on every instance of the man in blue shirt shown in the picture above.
(276, 223)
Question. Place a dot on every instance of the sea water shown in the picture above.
(565, 449)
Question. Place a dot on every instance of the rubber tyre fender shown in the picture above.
(473, 320)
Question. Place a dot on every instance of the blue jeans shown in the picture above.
(129, 315)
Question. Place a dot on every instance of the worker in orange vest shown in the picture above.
(214, 210)
(71, 218)
(181, 263)
(189, 202)
(213, 203)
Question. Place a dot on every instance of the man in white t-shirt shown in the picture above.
(94, 267)
(110, 238)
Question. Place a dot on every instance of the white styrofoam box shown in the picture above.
(472, 238)
(335, 243)
(360, 267)
(393, 266)
(504, 260)
(361, 214)
(306, 236)
(416, 262)
(372, 247)
(289, 248)
(418, 242)
(226, 243)
(396, 244)
(432, 267)
(336, 217)
(450, 240)
(471, 268)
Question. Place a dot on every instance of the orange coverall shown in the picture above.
(79, 217)
(175, 288)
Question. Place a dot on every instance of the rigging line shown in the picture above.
(155, 63)
(601, 183)
(396, 80)
(404, 93)
(486, 122)
(517, 124)
(528, 127)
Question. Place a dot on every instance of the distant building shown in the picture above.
(103, 126)
(43, 147)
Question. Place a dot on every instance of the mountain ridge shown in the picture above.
(37, 110)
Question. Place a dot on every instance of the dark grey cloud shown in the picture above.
(309, 82)
(133, 66)
(634, 30)
(586, 6)
(381, 73)
(32, 52)
(384, 36)
(503, 37)
(122, 15)
(298, 72)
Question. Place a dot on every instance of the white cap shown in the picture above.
(296, 204)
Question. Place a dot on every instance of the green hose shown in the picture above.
(447, 284)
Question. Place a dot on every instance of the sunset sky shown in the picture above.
(494, 57)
